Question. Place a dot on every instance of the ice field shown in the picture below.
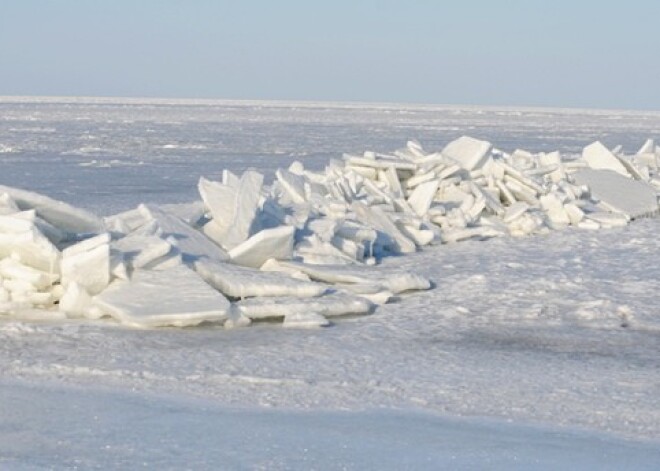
(551, 323)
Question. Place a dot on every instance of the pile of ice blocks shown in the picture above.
(302, 249)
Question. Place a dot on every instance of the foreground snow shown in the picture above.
(97, 429)
(558, 330)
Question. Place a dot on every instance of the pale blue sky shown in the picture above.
(562, 53)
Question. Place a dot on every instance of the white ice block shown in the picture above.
(554, 209)
(599, 157)
(219, 200)
(10, 268)
(377, 219)
(274, 243)
(61, 215)
(514, 211)
(192, 244)
(618, 193)
(394, 280)
(468, 152)
(293, 184)
(422, 196)
(241, 282)
(330, 305)
(139, 251)
(90, 269)
(86, 245)
(246, 204)
(32, 248)
(75, 301)
(174, 297)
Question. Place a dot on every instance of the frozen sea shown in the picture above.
(536, 353)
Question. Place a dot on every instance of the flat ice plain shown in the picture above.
(558, 333)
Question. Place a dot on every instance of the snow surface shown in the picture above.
(559, 330)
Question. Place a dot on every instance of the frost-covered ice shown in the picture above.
(558, 329)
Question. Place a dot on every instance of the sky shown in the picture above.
(561, 53)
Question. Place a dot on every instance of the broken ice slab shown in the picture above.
(75, 301)
(599, 157)
(392, 279)
(293, 184)
(274, 243)
(377, 219)
(422, 196)
(241, 282)
(61, 215)
(141, 250)
(233, 207)
(192, 244)
(32, 248)
(174, 297)
(88, 264)
(468, 152)
(13, 269)
(330, 305)
(618, 193)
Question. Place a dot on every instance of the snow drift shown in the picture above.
(304, 248)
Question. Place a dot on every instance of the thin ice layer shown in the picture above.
(173, 297)
(242, 282)
(394, 280)
(331, 305)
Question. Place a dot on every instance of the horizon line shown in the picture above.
(276, 102)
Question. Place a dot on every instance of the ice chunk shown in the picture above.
(293, 184)
(219, 199)
(10, 268)
(139, 251)
(59, 214)
(514, 211)
(394, 280)
(331, 305)
(468, 152)
(86, 245)
(176, 297)
(274, 243)
(192, 244)
(7, 205)
(555, 210)
(244, 209)
(75, 301)
(647, 148)
(89, 267)
(376, 218)
(600, 157)
(32, 248)
(618, 193)
(421, 198)
(241, 282)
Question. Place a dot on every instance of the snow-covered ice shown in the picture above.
(556, 329)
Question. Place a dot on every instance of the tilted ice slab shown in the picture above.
(192, 244)
(174, 297)
(241, 282)
(620, 194)
(62, 215)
